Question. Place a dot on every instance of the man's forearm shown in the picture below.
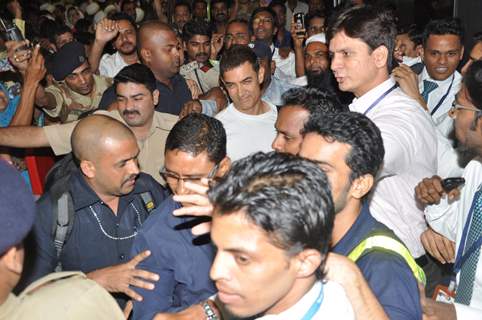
(24, 113)
(299, 62)
(23, 137)
(95, 54)
(365, 304)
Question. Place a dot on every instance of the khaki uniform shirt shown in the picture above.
(8, 308)
(64, 97)
(66, 296)
(151, 156)
(206, 77)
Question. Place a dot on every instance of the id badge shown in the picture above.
(443, 294)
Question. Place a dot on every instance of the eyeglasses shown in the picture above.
(171, 177)
(262, 20)
(478, 112)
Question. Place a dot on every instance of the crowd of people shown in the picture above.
(239, 160)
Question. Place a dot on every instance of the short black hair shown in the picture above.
(477, 37)
(315, 14)
(193, 28)
(60, 30)
(236, 56)
(314, 100)
(199, 1)
(289, 198)
(197, 133)
(359, 132)
(123, 16)
(127, 2)
(136, 73)
(415, 34)
(213, 2)
(183, 3)
(473, 83)
(278, 3)
(443, 26)
(373, 25)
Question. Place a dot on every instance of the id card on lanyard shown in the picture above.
(462, 256)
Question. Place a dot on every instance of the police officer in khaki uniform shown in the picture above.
(77, 90)
(64, 295)
(197, 44)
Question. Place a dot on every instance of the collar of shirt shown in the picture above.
(176, 81)
(363, 225)
(85, 196)
(300, 308)
(442, 84)
(362, 103)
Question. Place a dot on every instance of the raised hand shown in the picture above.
(18, 54)
(106, 30)
(36, 67)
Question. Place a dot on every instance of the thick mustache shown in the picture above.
(128, 112)
(201, 55)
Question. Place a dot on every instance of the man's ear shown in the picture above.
(419, 50)
(462, 53)
(380, 56)
(146, 55)
(361, 186)
(155, 97)
(88, 169)
(308, 262)
(224, 166)
(261, 74)
(13, 259)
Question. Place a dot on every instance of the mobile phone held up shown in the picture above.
(11, 32)
(449, 184)
(299, 22)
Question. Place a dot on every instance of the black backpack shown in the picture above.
(57, 186)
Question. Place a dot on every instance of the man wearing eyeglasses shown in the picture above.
(237, 32)
(457, 214)
(195, 150)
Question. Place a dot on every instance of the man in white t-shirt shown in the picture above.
(248, 120)
(272, 222)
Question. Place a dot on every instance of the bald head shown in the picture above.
(159, 49)
(92, 136)
(153, 31)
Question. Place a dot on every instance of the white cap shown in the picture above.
(110, 8)
(139, 14)
(319, 37)
(48, 7)
(99, 16)
(92, 8)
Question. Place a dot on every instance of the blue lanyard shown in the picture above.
(315, 306)
(461, 256)
(443, 98)
(380, 98)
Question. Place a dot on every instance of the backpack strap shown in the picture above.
(380, 242)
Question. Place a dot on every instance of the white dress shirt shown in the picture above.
(111, 64)
(410, 143)
(245, 133)
(441, 118)
(335, 304)
(300, 7)
(449, 220)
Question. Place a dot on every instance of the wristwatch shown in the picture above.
(208, 311)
